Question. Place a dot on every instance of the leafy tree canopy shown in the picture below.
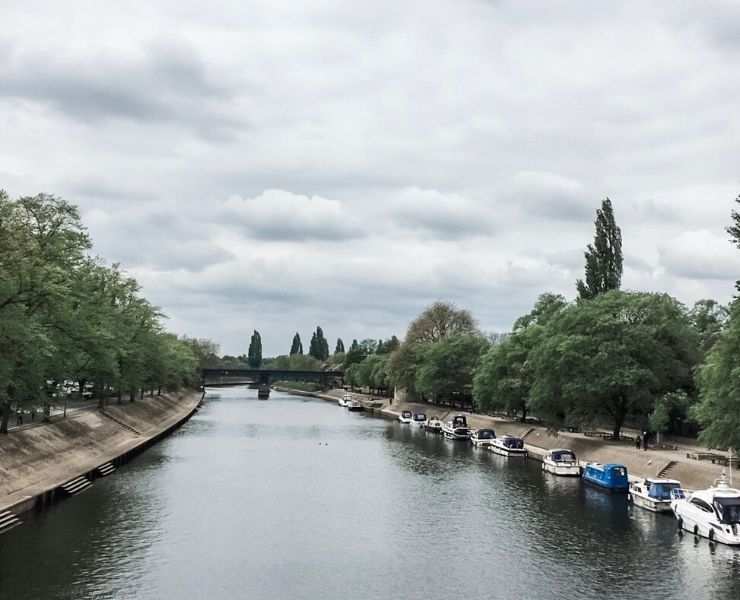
(604, 257)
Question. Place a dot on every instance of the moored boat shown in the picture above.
(508, 445)
(406, 416)
(561, 461)
(354, 406)
(712, 513)
(433, 425)
(420, 419)
(482, 437)
(456, 428)
(610, 476)
(345, 400)
(653, 493)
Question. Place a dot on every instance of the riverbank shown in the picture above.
(37, 459)
(675, 464)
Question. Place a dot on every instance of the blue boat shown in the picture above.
(611, 476)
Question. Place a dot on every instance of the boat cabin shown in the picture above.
(459, 421)
(612, 476)
(486, 434)
(661, 490)
(512, 442)
(406, 414)
(562, 456)
(420, 418)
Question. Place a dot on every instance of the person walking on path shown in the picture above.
(19, 420)
(637, 441)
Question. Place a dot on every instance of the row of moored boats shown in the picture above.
(713, 513)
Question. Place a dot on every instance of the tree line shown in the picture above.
(68, 321)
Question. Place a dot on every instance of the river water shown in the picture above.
(298, 498)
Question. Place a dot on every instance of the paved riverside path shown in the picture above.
(693, 474)
(41, 456)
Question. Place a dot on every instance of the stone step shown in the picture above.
(119, 422)
(76, 485)
(105, 469)
(8, 520)
(665, 470)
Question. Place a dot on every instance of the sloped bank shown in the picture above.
(36, 461)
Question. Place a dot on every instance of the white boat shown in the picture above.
(653, 493)
(561, 461)
(482, 437)
(406, 416)
(345, 400)
(433, 425)
(713, 513)
(456, 428)
(419, 419)
(354, 406)
(508, 445)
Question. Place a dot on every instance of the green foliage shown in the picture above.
(319, 347)
(718, 411)
(604, 257)
(670, 412)
(387, 346)
(359, 352)
(734, 231)
(339, 349)
(66, 316)
(505, 376)
(254, 356)
(708, 318)
(304, 386)
(446, 367)
(297, 346)
(611, 357)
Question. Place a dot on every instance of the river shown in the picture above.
(298, 498)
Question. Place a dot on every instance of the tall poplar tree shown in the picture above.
(734, 231)
(340, 347)
(604, 257)
(319, 347)
(254, 356)
(297, 347)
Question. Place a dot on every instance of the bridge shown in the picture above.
(228, 376)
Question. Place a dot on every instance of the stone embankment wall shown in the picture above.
(37, 459)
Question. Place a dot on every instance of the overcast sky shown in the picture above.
(281, 165)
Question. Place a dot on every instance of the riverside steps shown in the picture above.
(47, 460)
(679, 462)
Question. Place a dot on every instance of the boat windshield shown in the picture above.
(486, 434)
(728, 510)
(405, 413)
(662, 491)
(420, 417)
(459, 421)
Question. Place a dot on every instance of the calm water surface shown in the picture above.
(297, 498)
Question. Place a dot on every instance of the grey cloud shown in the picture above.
(551, 196)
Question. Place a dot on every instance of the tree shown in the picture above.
(718, 411)
(734, 231)
(436, 322)
(446, 367)
(254, 355)
(708, 318)
(297, 347)
(504, 379)
(669, 412)
(319, 347)
(611, 357)
(604, 257)
(339, 349)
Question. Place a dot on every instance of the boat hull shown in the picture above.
(456, 434)
(649, 503)
(508, 452)
(712, 531)
(605, 485)
(564, 470)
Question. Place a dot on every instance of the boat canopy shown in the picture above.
(420, 417)
(406, 413)
(728, 509)
(486, 434)
(459, 421)
(563, 456)
(661, 490)
(513, 442)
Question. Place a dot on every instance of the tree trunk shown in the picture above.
(159, 390)
(524, 414)
(131, 395)
(120, 396)
(618, 422)
(5, 417)
(141, 394)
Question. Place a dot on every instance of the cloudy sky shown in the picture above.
(280, 165)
